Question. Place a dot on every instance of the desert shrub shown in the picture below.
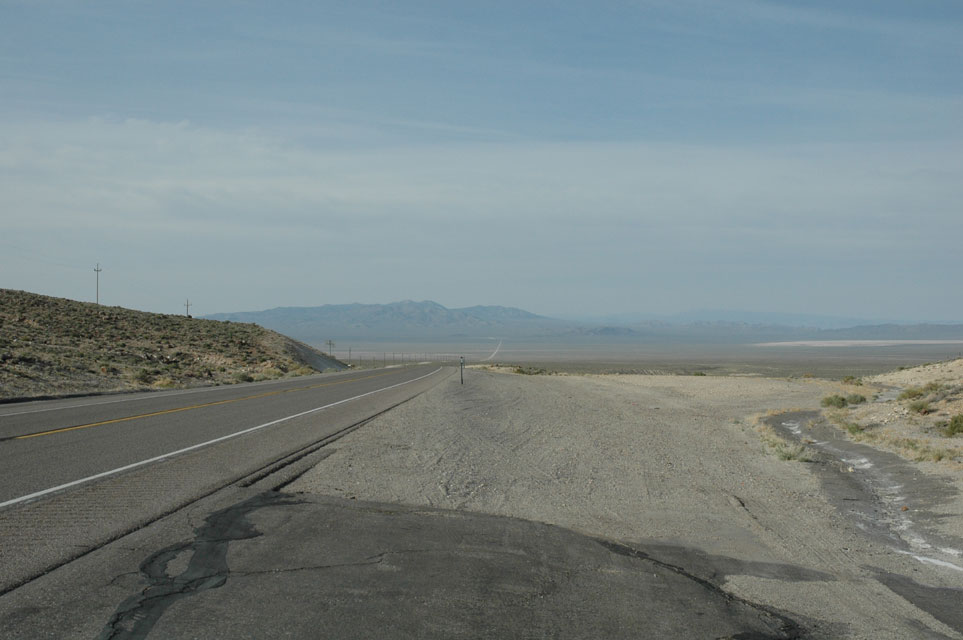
(269, 373)
(301, 370)
(529, 371)
(852, 380)
(144, 377)
(698, 373)
(243, 376)
(834, 400)
(853, 428)
(795, 452)
(940, 392)
(855, 398)
(921, 407)
(954, 426)
(911, 393)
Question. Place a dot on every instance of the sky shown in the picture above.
(569, 158)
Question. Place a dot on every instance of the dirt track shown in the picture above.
(671, 464)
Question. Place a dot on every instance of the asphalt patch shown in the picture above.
(314, 566)
(943, 603)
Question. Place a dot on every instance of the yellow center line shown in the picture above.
(195, 406)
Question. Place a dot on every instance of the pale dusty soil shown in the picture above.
(951, 371)
(648, 461)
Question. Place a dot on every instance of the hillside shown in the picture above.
(54, 346)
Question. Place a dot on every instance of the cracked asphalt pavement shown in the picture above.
(280, 565)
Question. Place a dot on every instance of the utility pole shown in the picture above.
(330, 344)
(349, 355)
(97, 270)
(187, 308)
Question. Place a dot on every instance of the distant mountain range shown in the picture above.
(431, 321)
(405, 319)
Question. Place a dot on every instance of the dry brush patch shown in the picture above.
(918, 413)
(775, 443)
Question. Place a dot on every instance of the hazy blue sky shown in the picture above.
(564, 157)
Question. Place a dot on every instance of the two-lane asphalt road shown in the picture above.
(100, 466)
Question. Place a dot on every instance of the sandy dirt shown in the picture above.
(951, 371)
(670, 463)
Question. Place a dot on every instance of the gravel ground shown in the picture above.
(669, 463)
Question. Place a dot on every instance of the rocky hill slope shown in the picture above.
(54, 346)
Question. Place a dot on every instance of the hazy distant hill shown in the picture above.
(405, 319)
(730, 317)
(896, 332)
(771, 319)
(430, 320)
(745, 332)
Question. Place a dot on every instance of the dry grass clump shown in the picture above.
(953, 427)
(776, 444)
(839, 401)
(834, 400)
(51, 346)
(916, 449)
(913, 393)
(921, 407)
(529, 371)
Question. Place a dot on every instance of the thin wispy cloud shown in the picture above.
(629, 157)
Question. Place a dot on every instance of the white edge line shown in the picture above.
(134, 465)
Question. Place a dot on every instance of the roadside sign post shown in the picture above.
(463, 369)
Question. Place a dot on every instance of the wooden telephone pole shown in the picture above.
(97, 270)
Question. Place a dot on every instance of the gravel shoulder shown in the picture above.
(671, 464)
